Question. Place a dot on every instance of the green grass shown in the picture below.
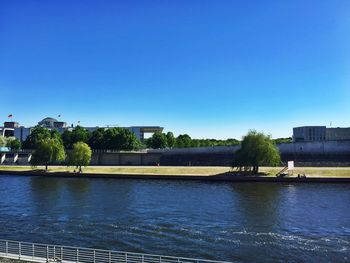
(185, 170)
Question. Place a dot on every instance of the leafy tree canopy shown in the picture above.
(97, 139)
(14, 144)
(80, 155)
(170, 139)
(37, 134)
(183, 141)
(48, 151)
(157, 141)
(78, 134)
(257, 149)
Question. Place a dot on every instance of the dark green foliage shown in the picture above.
(157, 141)
(283, 140)
(48, 151)
(124, 139)
(97, 139)
(170, 139)
(78, 134)
(36, 136)
(14, 144)
(119, 139)
(257, 149)
(183, 141)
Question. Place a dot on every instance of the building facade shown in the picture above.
(320, 133)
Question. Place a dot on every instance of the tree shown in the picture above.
(170, 139)
(81, 155)
(257, 149)
(14, 144)
(97, 137)
(48, 151)
(78, 134)
(183, 141)
(37, 134)
(121, 139)
(157, 141)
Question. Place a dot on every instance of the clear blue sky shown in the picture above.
(207, 68)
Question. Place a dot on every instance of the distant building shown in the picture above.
(320, 133)
(13, 129)
(337, 134)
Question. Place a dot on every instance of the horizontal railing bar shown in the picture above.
(70, 253)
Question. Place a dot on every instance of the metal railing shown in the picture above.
(55, 253)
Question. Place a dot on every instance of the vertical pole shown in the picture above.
(126, 257)
(143, 258)
(77, 254)
(160, 259)
(19, 250)
(33, 251)
(54, 252)
(94, 256)
(7, 247)
(61, 254)
(47, 253)
(109, 257)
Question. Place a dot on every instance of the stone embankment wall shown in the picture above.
(328, 153)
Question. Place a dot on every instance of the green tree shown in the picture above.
(97, 139)
(37, 134)
(121, 139)
(183, 141)
(283, 140)
(78, 134)
(257, 149)
(157, 141)
(3, 141)
(48, 151)
(14, 144)
(170, 139)
(80, 155)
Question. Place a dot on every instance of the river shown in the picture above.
(240, 222)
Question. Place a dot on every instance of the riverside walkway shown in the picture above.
(35, 252)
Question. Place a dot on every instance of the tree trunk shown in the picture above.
(46, 166)
(80, 170)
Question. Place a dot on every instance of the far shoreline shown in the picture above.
(184, 177)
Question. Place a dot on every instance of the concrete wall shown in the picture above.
(331, 147)
(327, 153)
(124, 158)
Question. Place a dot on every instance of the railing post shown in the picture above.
(142, 258)
(109, 257)
(19, 250)
(160, 259)
(94, 255)
(7, 247)
(33, 251)
(47, 253)
(126, 257)
(77, 254)
(61, 254)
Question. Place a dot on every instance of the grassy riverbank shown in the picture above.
(185, 170)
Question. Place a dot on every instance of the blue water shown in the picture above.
(241, 222)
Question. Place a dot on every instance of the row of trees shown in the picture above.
(51, 151)
(167, 140)
(119, 139)
(110, 139)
